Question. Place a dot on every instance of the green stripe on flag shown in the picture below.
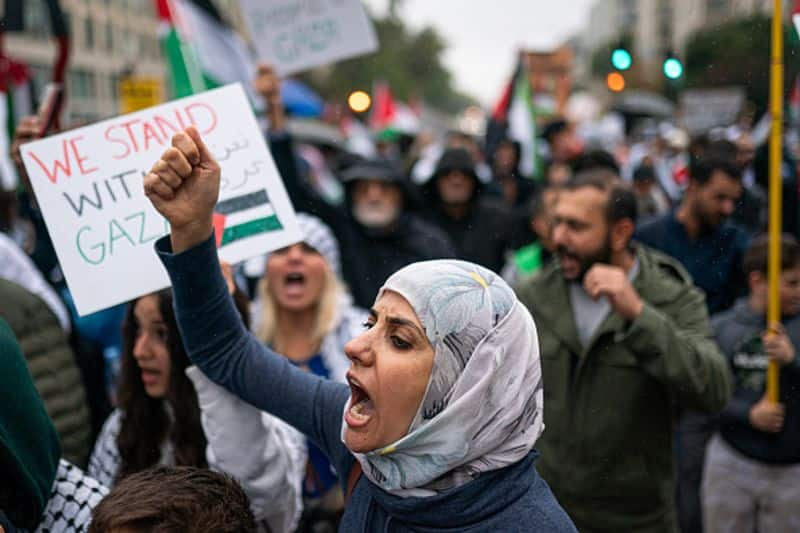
(187, 79)
(248, 229)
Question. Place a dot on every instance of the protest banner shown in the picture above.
(704, 109)
(88, 184)
(295, 35)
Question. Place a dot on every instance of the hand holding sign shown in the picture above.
(183, 186)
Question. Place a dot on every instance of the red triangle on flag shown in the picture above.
(219, 227)
(383, 108)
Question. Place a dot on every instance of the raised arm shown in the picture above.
(183, 186)
(302, 195)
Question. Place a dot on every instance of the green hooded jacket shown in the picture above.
(610, 409)
(29, 445)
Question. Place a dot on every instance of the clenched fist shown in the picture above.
(183, 186)
(613, 283)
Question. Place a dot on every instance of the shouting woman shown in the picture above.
(436, 429)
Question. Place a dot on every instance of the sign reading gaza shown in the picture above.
(88, 183)
(295, 35)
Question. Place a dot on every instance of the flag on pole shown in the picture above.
(794, 101)
(514, 116)
(202, 50)
(17, 91)
(796, 16)
(383, 107)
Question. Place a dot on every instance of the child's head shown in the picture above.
(173, 499)
(755, 268)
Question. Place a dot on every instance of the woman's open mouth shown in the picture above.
(295, 283)
(360, 409)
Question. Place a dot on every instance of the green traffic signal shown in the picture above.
(621, 59)
(673, 68)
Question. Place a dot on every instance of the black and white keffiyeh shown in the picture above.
(74, 496)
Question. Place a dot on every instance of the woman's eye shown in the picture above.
(400, 343)
(368, 324)
(161, 334)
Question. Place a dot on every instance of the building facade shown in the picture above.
(661, 26)
(108, 39)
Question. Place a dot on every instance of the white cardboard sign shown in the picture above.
(88, 183)
(295, 35)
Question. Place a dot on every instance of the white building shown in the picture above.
(108, 39)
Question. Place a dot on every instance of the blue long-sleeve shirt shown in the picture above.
(511, 499)
(714, 260)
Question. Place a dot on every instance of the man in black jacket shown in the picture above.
(481, 229)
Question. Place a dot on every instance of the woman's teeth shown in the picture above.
(362, 410)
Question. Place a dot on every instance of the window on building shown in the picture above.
(88, 32)
(109, 37)
(35, 17)
(114, 79)
(81, 84)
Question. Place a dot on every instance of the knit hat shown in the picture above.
(320, 237)
(315, 234)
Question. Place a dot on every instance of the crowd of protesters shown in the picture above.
(581, 349)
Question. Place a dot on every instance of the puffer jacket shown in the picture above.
(52, 365)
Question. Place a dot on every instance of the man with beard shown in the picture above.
(698, 233)
(624, 337)
(712, 249)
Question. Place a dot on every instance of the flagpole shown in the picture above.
(775, 200)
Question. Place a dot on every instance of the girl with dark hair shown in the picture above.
(153, 393)
(164, 418)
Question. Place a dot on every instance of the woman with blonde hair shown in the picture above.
(303, 311)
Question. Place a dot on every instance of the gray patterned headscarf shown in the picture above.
(483, 408)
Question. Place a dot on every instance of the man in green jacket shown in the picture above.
(625, 342)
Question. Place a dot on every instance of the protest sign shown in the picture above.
(138, 92)
(295, 35)
(704, 109)
(88, 183)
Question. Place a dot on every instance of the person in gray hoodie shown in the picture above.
(753, 463)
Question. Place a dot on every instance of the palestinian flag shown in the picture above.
(794, 101)
(16, 102)
(234, 218)
(514, 116)
(17, 90)
(383, 107)
(796, 16)
(202, 50)
(391, 118)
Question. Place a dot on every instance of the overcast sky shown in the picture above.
(483, 35)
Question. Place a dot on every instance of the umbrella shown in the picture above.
(300, 100)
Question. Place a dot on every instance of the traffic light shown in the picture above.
(621, 58)
(615, 82)
(673, 68)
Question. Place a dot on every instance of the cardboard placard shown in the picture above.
(88, 183)
(296, 35)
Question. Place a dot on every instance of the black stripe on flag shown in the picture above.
(240, 203)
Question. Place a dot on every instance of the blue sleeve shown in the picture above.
(218, 343)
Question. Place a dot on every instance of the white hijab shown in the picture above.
(483, 408)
